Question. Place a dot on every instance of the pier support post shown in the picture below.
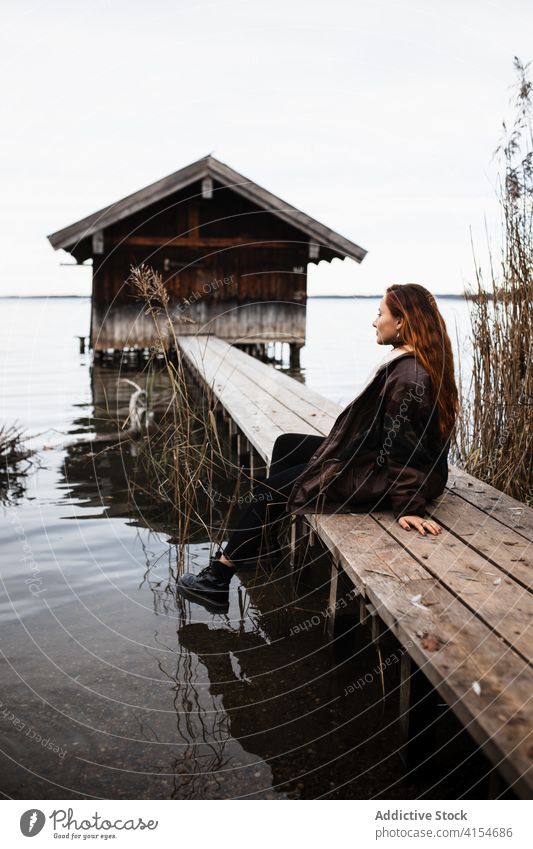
(243, 452)
(419, 712)
(376, 625)
(296, 538)
(257, 466)
(232, 435)
(343, 608)
(294, 362)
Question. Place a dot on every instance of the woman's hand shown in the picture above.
(419, 524)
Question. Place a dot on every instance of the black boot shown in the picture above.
(210, 587)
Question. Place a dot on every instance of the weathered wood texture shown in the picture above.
(460, 603)
(217, 251)
(248, 283)
(127, 325)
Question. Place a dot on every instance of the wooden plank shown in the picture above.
(224, 379)
(250, 417)
(229, 395)
(271, 377)
(186, 241)
(273, 382)
(504, 548)
(506, 510)
(501, 603)
(454, 648)
(278, 401)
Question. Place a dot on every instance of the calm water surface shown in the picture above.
(113, 689)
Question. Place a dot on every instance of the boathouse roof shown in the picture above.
(208, 166)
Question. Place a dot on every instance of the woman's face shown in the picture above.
(386, 326)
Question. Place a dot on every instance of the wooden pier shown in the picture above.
(460, 603)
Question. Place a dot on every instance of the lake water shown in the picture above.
(111, 688)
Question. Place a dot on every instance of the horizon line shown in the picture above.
(351, 297)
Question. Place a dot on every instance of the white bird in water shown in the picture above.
(138, 410)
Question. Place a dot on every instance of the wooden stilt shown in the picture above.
(333, 598)
(343, 608)
(296, 523)
(364, 615)
(418, 714)
(243, 451)
(295, 355)
(376, 624)
(257, 466)
(232, 436)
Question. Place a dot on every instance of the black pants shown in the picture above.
(256, 525)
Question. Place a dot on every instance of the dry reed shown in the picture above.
(181, 456)
(495, 437)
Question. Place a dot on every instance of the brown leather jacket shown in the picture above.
(383, 451)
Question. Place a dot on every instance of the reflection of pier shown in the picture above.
(232, 256)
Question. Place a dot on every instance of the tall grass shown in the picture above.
(182, 454)
(495, 434)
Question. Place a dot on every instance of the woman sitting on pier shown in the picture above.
(388, 449)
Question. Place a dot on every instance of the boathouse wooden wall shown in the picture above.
(214, 253)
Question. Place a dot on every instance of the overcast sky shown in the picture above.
(378, 118)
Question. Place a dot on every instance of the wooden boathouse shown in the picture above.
(232, 255)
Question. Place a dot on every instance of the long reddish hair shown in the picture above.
(425, 331)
